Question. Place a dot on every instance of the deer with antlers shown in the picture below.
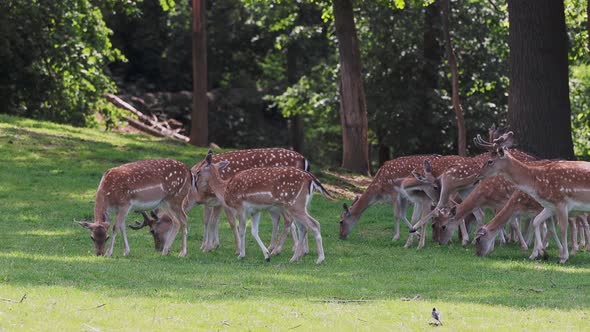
(558, 186)
(386, 188)
(286, 190)
(141, 185)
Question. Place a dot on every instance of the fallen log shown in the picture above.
(152, 127)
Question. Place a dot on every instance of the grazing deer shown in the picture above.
(385, 188)
(238, 161)
(558, 186)
(519, 204)
(490, 193)
(140, 186)
(159, 226)
(286, 190)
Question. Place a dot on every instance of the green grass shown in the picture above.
(48, 177)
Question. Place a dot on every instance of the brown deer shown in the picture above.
(141, 185)
(490, 193)
(286, 190)
(558, 186)
(518, 205)
(159, 225)
(238, 161)
(385, 188)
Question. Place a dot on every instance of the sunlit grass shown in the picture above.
(48, 177)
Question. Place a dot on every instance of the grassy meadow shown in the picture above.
(48, 178)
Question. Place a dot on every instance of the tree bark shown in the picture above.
(456, 100)
(353, 107)
(199, 115)
(538, 102)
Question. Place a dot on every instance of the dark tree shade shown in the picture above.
(538, 102)
(353, 107)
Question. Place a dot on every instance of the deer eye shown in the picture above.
(490, 162)
(444, 227)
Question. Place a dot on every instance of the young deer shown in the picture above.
(238, 161)
(558, 186)
(286, 190)
(519, 204)
(385, 187)
(141, 185)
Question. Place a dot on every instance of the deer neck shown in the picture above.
(218, 186)
(368, 198)
(518, 173)
(503, 216)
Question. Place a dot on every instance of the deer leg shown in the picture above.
(399, 212)
(232, 224)
(254, 230)
(587, 231)
(243, 222)
(562, 221)
(415, 215)
(119, 223)
(213, 237)
(288, 227)
(181, 218)
(314, 225)
(275, 216)
(574, 235)
(206, 218)
(538, 248)
(299, 249)
(423, 229)
(553, 232)
(581, 231)
(515, 223)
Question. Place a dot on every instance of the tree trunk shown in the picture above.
(461, 132)
(199, 121)
(353, 107)
(296, 132)
(432, 53)
(538, 102)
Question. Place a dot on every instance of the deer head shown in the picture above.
(98, 234)
(497, 160)
(444, 224)
(347, 220)
(160, 227)
(484, 241)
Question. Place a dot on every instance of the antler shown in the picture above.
(484, 144)
(146, 221)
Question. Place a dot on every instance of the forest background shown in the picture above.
(273, 68)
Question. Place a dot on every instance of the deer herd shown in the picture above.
(449, 192)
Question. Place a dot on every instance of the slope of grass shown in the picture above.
(48, 178)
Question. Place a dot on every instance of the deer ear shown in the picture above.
(453, 211)
(222, 165)
(209, 158)
(86, 224)
(345, 207)
(481, 232)
(427, 167)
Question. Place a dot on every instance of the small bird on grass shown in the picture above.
(436, 317)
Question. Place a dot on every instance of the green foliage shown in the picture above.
(48, 181)
(580, 101)
(57, 52)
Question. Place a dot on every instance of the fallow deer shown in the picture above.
(518, 205)
(490, 193)
(558, 186)
(385, 188)
(140, 186)
(287, 190)
(238, 161)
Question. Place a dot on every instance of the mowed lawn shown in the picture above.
(48, 179)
